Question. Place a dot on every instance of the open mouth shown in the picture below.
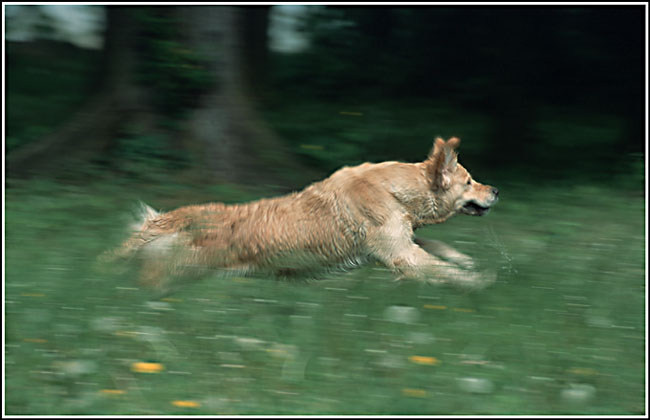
(475, 209)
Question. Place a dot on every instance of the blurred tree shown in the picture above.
(255, 26)
(185, 74)
(94, 126)
(235, 140)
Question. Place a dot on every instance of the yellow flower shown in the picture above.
(424, 360)
(583, 371)
(113, 391)
(146, 367)
(192, 404)
(35, 340)
(410, 392)
(435, 306)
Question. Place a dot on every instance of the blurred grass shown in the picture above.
(561, 332)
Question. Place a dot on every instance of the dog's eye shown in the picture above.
(469, 182)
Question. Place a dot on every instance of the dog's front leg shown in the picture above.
(445, 251)
(393, 245)
(415, 263)
(397, 251)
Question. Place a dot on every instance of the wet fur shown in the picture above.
(363, 212)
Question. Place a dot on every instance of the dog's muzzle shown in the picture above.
(474, 208)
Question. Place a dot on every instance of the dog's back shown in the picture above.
(321, 227)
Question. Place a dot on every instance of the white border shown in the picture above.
(333, 4)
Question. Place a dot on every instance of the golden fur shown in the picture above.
(361, 212)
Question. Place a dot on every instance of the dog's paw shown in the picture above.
(465, 262)
(488, 277)
(478, 280)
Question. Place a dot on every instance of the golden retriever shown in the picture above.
(369, 211)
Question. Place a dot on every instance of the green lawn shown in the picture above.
(561, 332)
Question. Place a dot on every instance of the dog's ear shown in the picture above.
(453, 142)
(442, 161)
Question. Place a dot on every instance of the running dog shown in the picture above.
(369, 211)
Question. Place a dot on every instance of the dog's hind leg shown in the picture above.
(446, 252)
(156, 278)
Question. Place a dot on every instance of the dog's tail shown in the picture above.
(144, 214)
(136, 240)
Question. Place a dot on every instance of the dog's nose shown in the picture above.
(495, 192)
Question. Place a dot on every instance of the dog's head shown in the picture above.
(454, 188)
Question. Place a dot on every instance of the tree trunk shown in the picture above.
(93, 128)
(238, 145)
(254, 27)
